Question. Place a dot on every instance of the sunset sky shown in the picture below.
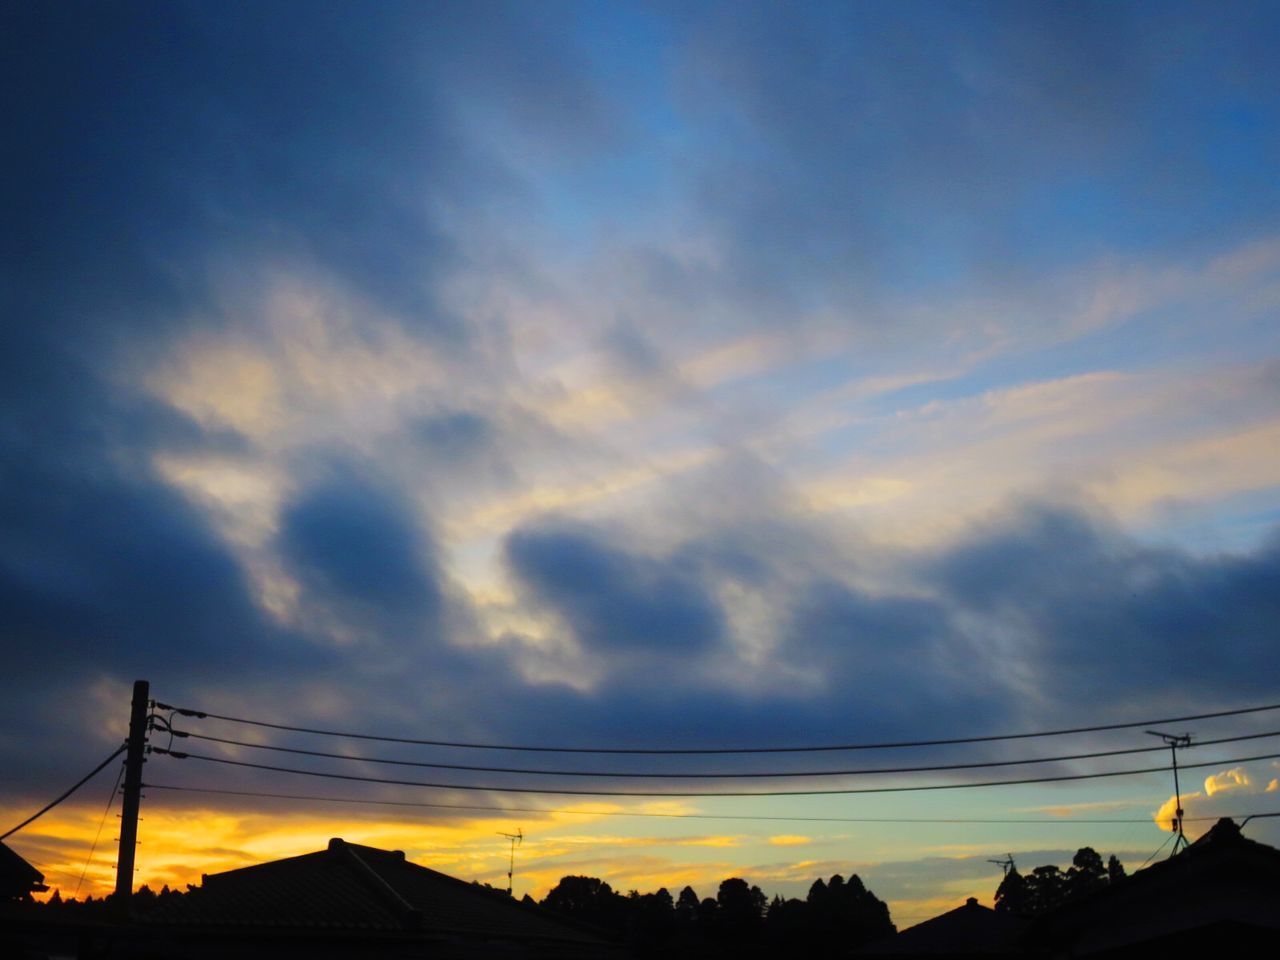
(649, 375)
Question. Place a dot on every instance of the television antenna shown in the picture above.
(1175, 741)
(1006, 864)
(516, 839)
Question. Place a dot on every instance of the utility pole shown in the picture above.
(1175, 741)
(134, 758)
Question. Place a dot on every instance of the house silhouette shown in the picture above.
(355, 900)
(18, 879)
(969, 930)
(1221, 891)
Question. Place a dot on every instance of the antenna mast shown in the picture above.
(1175, 741)
(516, 839)
(1006, 864)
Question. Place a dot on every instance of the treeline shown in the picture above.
(1047, 887)
(144, 899)
(836, 916)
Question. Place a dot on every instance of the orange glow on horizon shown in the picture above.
(178, 846)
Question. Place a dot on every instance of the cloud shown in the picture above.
(885, 652)
(456, 434)
(1234, 792)
(362, 554)
(173, 161)
(1096, 610)
(997, 124)
(613, 599)
(1226, 781)
(1166, 815)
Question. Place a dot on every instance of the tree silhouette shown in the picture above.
(866, 916)
(651, 916)
(741, 907)
(817, 892)
(588, 899)
(787, 920)
(687, 907)
(1047, 887)
(845, 914)
(837, 916)
(1115, 870)
(1012, 895)
(1087, 872)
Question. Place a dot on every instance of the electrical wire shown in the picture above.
(1253, 816)
(1158, 849)
(702, 775)
(111, 798)
(202, 714)
(79, 783)
(666, 816)
(180, 755)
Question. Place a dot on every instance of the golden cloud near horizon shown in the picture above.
(789, 840)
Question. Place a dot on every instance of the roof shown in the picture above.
(968, 929)
(354, 888)
(1224, 881)
(17, 877)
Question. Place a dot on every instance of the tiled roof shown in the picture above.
(352, 887)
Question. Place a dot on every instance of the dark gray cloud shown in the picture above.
(158, 150)
(361, 555)
(1097, 613)
(108, 574)
(614, 599)
(1035, 611)
(892, 656)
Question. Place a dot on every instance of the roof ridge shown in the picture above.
(409, 915)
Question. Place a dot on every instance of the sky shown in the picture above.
(641, 375)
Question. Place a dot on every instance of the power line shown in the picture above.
(675, 793)
(201, 714)
(1158, 849)
(98, 833)
(666, 816)
(79, 783)
(1254, 816)
(772, 774)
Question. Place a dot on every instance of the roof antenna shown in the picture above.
(1174, 741)
(516, 839)
(1006, 864)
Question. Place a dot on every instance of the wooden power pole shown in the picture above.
(133, 760)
